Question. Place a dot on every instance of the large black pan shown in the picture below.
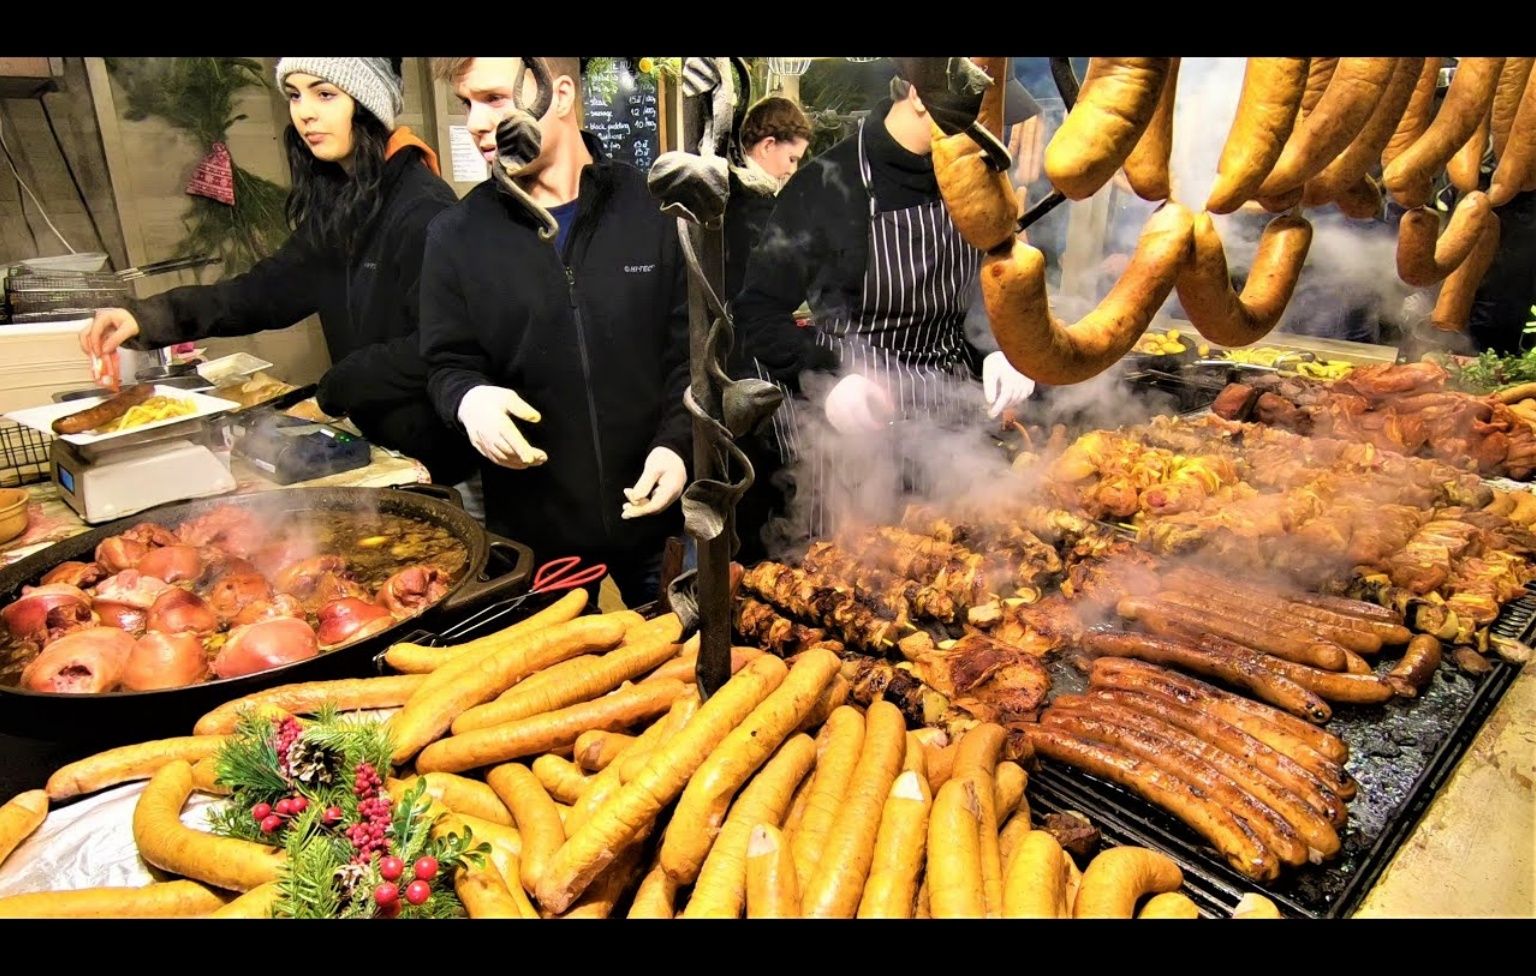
(135, 716)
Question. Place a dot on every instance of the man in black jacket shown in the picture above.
(585, 336)
(862, 235)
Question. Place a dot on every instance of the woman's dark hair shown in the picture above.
(326, 203)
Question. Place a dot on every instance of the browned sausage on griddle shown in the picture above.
(1140, 676)
(1312, 827)
(104, 412)
(1245, 673)
(1210, 727)
(1232, 837)
(1169, 610)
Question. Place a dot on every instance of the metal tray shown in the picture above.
(1400, 752)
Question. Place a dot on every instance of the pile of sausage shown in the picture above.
(1261, 786)
(1308, 132)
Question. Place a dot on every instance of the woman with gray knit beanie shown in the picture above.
(363, 192)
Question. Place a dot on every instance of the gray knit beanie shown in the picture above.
(371, 82)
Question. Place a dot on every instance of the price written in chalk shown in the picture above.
(628, 123)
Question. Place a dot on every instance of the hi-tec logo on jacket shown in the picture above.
(639, 268)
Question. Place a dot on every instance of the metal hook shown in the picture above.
(1066, 81)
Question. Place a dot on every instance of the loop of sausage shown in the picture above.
(1506, 99)
(1465, 167)
(1319, 73)
(1111, 113)
(1146, 169)
(1266, 114)
(1205, 288)
(1416, 116)
(1361, 154)
(1353, 93)
(1516, 171)
(1050, 351)
(1424, 255)
(1454, 305)
(980, 200)
(1410, 177)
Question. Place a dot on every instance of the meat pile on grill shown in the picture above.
(1405, 409)
(943, 614)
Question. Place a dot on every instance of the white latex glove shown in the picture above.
(659, 486)
(857, 403)
(1002, 385)
(486, 413)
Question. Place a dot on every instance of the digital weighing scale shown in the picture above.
(111, 476)
(135, 472)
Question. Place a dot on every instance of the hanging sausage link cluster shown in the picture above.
(1307, 133)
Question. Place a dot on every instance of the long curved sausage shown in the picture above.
(1319, 73)
(1192, 617)
(1326, 744)
(1146, 168)
(1232, 838)
(1466, 165)
(1257, 606)
(1273, 830)
(1266, 114)
(1425, 256)
(1050, 351)
(1384, 624)
(1243, 673)
(1331, 686)
(104, 412)
(1353, 92)
(980, 200)
(1312, 827)
(1454, 306)
(1351, 165)
(1102, 129)
(1214, 729)
(1410, 177)
(1418, 113)
(1513, 78)
(1517, 163)
(1205, 287)
(1353, 608)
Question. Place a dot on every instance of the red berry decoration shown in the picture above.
(390, 868)
(332, 815)
(426, 868)
(417, 892)
(298, 805)
(271, 823)
(261, 811)
(387, 894)
(283, 809)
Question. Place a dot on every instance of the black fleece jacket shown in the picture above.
(367, 301)
(595, 339)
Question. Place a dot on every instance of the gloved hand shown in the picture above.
(485, 411)
(857, 403)
(659, 486)
(1002, 385)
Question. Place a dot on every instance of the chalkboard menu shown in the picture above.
(622, 110)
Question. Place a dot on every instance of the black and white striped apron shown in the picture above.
(908, 331)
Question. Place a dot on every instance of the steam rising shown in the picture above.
(1351, 265)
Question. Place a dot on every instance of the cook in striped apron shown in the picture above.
(907, 334)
